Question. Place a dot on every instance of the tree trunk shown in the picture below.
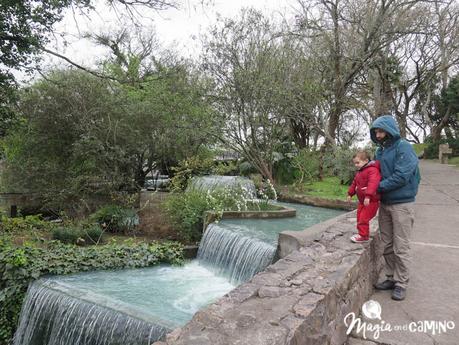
(382, 89)
(436, 130)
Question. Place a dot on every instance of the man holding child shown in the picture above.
(398, 189)
(397, 186)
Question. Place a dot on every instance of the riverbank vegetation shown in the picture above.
(282, 101)
(21, 264)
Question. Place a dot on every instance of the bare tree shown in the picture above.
(351, 35)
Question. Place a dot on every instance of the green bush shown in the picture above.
(338, 162)
(247, 168)
(21, 265)
(257, 180)
(23, 224)
(68, 235)
(202, 164)
(77, 234)
(229, 168)
(186, 212)
(115, 218)
(431, 151)
(93, 234)
(285, 172)
(267, 191)
(307, 164)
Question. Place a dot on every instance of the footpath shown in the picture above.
(433, 291)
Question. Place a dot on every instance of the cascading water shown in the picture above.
(139, 306)
(212, 182)
(135, 306)
(239, 248)
(58, 316)
(232, 254)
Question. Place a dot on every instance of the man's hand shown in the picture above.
(366, 201)
(349, 198)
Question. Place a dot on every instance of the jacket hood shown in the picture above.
(371, 163)
(386, 123)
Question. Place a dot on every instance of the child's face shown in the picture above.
(358, 162)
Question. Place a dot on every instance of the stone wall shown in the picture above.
(301, 299)
(319, 202)
(282, 212)
(154, 223)
(19, 200)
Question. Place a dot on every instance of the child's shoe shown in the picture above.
(359, 239)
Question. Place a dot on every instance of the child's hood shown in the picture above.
(372, 163)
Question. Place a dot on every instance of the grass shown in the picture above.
(328, 188)
(418, 148)
(454, 161)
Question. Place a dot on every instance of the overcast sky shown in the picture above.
(177, 28)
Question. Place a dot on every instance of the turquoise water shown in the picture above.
(170, 293)
(174, 294)
(267, 230)
(239, 248)
(142, 304)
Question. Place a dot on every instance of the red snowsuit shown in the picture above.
(365, 184)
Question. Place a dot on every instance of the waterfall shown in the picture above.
(53, 315)
(213, 182)
(232, 254)
(137, 307)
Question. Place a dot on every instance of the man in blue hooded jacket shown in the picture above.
(398, 188)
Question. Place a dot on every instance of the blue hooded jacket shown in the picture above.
(399, 163)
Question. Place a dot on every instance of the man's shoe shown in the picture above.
(399, 293)
(385, 285)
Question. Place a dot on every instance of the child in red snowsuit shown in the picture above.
(365, 184)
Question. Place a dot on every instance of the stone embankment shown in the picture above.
(301, 299)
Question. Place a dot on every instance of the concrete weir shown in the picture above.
(303, 298)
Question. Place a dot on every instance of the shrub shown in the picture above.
(225, 168)
(186, 210)
(193, 166)
(267, 191)
(257, 180)
(115, 218)
(23, 224)
(78, 234)
(93, 233)
(247, 168)
(307, 163)
(285, 172)
(431, 151)
(21, 265)
(68, 235)
(339, 163)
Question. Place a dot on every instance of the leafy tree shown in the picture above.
(446, 105)
(25, 29)
(47, 153)
(251, 72)
(83, 135)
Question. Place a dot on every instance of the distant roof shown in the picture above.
(227, 156)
